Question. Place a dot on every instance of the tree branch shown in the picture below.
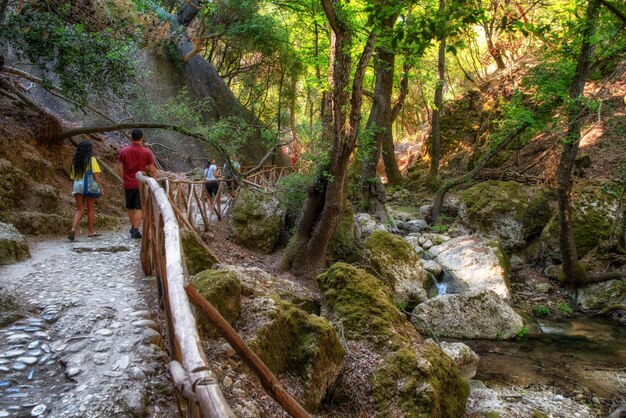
(615, 10)
(130, 125)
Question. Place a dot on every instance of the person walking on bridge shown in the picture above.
(133, 159)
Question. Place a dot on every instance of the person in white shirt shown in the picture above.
(211, 174)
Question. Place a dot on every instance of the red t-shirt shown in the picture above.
(134, 158)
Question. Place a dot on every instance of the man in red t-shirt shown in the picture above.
(131, 160)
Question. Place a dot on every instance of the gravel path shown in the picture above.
(89, 347)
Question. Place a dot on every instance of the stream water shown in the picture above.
(583, 355)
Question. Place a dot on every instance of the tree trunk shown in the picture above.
(372, 190)
(435, 133)
(394, 177)
(571, 268)
(324, 208)
(494, 50)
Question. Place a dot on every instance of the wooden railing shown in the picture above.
(161, 256)
(268, 177)
(196, 209)
(192, 201)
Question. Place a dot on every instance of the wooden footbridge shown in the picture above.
(168, 207)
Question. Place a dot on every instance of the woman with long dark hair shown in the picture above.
(83, 164)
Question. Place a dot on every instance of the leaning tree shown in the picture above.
(306, 253)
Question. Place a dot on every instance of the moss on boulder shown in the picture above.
(362, 303)
(344, 245)
(508, 210)
(409, 383)
(302, 344)
(196, 256)
(602, 295)
(395, 260)
(422, 384)
(37, 223)
(594, 206)
(223, 290)
(13, 246)
(256, 220)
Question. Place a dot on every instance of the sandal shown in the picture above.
(71, 235)
(97, 234)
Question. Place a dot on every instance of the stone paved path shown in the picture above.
(90, 347)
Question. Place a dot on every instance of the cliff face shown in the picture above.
(35, 188)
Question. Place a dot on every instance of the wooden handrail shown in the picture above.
(269, 382)
(161, 254)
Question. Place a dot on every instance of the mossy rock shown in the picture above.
(196, 256)
(45, 198)
(306, 303)
(396, 262)
(508, 210)
(344, 245)
(425, 385)
(362, 304)
(13, 246)
(12, 185)
(10, 310)
(256, 221)
(223, 290)
(301, 344)
(37, 223)
(594, 206)
(602, 295)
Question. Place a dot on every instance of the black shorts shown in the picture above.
(133, 199)
(211, 187)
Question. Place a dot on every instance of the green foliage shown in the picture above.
(564, 308)
(542, 310)
(440, 229)
(292, 191)
(85, 61)
(522, 333)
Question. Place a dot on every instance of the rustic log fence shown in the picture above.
(196, 209)
(161, 255)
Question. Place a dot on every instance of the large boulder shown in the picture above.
(13, 246)
(412, 379)
(594, 206)
(474, 315)
(223, 290)
(303, 345)
(361, 303)
(197, 257)
(463, 356)
(366, 224)
(475, 262)
(395, 261)
(509, 211)
(422, 383)
(256, 220)
(254, 281)
(602, 295)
